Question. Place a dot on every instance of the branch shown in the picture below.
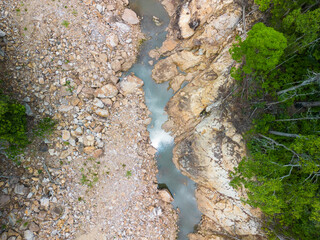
(287, 175)
(297, 119)
(279, 144)
(282, 134)
(49, 175)
(244, 18)
(307, 104)
(313, 79)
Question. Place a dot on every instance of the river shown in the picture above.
(157, 96)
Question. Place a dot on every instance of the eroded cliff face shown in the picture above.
(208, 145)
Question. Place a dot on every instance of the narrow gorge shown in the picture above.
(208, 144)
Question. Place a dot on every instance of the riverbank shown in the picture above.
(95, 177)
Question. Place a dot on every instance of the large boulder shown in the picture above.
(164, 70)
(130, 16)
(107, 91)
(131, 84)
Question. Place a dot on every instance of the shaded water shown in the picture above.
(157, 96)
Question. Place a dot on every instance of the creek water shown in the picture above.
(157, 96)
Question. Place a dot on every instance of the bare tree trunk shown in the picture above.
(282, 134)
(314, 78)
(307, 104)
(244, 17)
(297, 119)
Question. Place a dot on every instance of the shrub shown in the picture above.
(13, 126)
(261, 50)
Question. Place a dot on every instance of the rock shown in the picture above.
(164, 71)
(168, 46)
(44, 202)
(42, 215)
(87, 2)
(102, 112)
(13, 180)
(100, 8)
(176, 82)
(89, 150)
(65, 135)
(126, 65)
(165, 195)
(27, 99)
(98, 103)
(154, 53)
(20, 189)
(151, 151)
(185, 60)
(194, 236)
(41, 80)
(2, 54)
(57, 210)
(2, 33)
(130, 84)
(74, 101)
(110, 7)
(34, 227)
(78, 132)
(88, 140)
(43, 147)
(123, 27)
(12, 233)
(157, 211)
(113, 40)
(65, 108)
(156, 21)
(12, 219)
(103, 58)
(4, 200)
(4, 236)
(168, 5)
(184, 19)
(51, 152)
(66, 67)
(28, 109)
(107, 101)
(116, 65)
(114, 79)
(97, 153)
(107, 91)
(28, 235)
(130, 16)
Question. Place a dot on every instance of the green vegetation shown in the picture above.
(262, 43)
(65, 23)
(44, 128)
(128, 174)
(14, 135)
(70, 88)
(89, 175)
(279, 82)
(13, 127)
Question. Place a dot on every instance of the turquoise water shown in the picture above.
(157, 96)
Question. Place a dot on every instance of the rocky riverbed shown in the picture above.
(94, 178)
